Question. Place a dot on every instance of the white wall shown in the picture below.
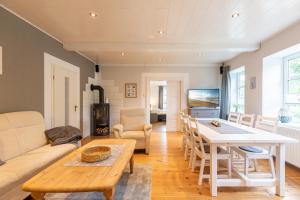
(200, 77)
(253, 63)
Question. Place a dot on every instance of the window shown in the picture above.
(292, 85)
(237, 93)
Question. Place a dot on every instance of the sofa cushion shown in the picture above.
(133, 135)
(133, 119)
(30, 127)
(9, 145)
(7, 181)
(25, 166)
(20, 132)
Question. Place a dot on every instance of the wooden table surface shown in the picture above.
(58, 178)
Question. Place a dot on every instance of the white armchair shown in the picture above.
(133, 126)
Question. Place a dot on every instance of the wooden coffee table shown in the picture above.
(59, 178)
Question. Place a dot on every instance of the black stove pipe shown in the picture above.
(101, 92)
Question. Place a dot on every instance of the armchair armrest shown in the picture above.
(118, 130)
(147, 129)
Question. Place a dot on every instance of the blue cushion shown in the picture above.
(251, 149)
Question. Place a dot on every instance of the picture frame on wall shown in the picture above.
(253, 82)
(130, 90)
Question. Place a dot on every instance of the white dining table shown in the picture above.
(256, 138)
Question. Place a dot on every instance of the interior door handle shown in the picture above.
(75, 107)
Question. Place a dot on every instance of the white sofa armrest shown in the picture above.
(118, 130)
(147, 129)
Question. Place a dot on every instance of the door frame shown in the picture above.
(145, 86)
(49, 60)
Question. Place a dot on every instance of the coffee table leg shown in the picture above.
(38, 195)
(109, 194)
(131, 164)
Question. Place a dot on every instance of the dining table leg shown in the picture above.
(213, 170)
(280, 170)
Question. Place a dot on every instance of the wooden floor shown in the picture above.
(171, 178)
(159, 126)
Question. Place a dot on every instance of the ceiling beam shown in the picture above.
(159, 47)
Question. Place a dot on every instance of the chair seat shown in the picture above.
(262, 153)
(251, 149)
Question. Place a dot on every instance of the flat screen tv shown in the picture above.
(206, 98)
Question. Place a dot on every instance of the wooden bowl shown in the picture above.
(216, 123)
(94, 154)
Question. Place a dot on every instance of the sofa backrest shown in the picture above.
(133, 119)
(20, 132)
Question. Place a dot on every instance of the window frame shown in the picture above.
(237, 74)
(286, 77)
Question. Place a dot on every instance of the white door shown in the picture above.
(173, 105)
(65, 97)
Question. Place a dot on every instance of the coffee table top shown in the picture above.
(61, 178)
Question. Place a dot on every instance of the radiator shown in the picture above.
(292, 150)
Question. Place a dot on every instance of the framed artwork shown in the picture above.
(130, 90)
(252, 82)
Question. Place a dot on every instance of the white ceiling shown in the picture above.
(195, 32)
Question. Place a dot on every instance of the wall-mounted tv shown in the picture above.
(207, 98)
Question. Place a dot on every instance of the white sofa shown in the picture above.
(24, 148)
(133, 126)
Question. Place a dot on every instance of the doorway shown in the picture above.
(158, 105)
(62, 93)
(177, 85)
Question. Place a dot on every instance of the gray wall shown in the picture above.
(23, 47)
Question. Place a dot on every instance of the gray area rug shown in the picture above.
(136, 186)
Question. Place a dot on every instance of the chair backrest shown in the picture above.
(192, 125)
(247, 119)
(266, 123)
(185, 123)
(234, 117)
(133, 119)
(198, 140)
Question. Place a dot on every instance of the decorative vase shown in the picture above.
(284, 115)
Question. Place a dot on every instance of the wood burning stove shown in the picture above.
(100, 119)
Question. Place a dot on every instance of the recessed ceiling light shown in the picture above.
(160, 32)
(122, 54)
(93, 14)
(234, 15)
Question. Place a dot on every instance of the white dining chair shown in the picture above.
(258, 153)
(181, 118)
(247, 119)
(202, 151)
(234, 117)
(193, 130)
(187, 138)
